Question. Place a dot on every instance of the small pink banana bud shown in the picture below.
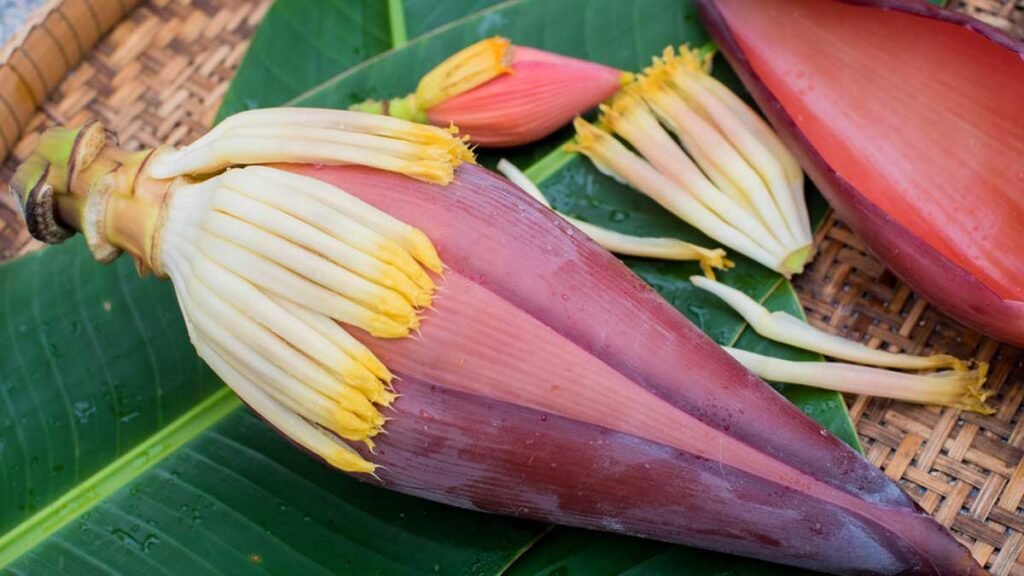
(543, 92)
(503, 95)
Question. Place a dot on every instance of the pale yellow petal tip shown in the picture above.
(354, 420)
(379, 370)
(626, 102)
(424, 252)
(712, 259)
(423, 299)
(349, 461)
(461, 149)
(385, 398)
(376, 420)
(974, 399)
(441, 173)
(501, 51)
(956, 364)
(360, 377)
(381, 327)
(687, 59)
(436, 162)
(588, 136)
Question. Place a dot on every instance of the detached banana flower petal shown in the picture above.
(748, 189)
(548, 382)
(782, 327)
(330, 137)
(625, 244)
(958, 387)
(955, 388)
(503, 95)
(616, 160)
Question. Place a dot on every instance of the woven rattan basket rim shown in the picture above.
(53, 41)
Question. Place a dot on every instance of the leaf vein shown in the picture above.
(150, 354)
(109, 381)
(236, 513)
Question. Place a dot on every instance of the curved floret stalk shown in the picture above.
(320, 136)
(726, 157)
(712, 151)
(782, 327)
(626, 244)
(270, 268)
(954, 388)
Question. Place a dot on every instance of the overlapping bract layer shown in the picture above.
(579, 396)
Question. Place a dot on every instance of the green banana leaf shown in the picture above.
(121, 453)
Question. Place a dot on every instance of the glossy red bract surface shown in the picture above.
(550, 382)
(542, 94)
(907, 117)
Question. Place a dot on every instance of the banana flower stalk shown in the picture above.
(547, 382)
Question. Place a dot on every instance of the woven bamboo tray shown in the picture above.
(157, 72)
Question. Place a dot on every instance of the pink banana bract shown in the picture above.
(541, 94)
(550, 382)
(908, 118)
